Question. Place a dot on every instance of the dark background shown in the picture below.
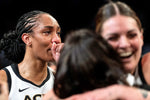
(71, 14)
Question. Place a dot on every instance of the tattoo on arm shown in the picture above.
(144, 93)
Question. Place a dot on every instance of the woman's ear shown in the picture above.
(26, 38)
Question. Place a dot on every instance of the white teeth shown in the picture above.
(125, 54)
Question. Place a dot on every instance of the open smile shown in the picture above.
(125, 54)
(126, 57)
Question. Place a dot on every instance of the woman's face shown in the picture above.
(125, 37)
(44, 35)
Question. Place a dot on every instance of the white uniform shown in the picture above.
(23, 89)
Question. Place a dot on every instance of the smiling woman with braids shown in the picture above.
(35, 41)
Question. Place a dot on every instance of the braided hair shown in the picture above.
(11, 43)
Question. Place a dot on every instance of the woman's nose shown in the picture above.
(56, 38)
(124, 42)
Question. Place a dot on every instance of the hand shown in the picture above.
(3, 91)
(56, 49)
(50, 95)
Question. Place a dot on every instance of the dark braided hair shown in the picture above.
(11, 43)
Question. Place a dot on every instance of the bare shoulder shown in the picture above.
(146, 66)
(145, 61)
(146, 58)
(3, 76)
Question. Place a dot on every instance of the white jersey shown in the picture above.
(23, 89)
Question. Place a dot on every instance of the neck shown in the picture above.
(33, 69)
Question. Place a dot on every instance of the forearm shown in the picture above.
(124, 93)
(113, 92)
(131, 93)
(145, 94)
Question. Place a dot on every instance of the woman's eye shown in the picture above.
(132, 35)
(112, 38)
(47, 32)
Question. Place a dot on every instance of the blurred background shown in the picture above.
(71, 14)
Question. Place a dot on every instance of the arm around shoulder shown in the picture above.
(114, 92)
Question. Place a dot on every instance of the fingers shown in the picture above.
(59, 47)
(56, 49)
(53, 47)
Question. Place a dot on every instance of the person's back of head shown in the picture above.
(86, 62)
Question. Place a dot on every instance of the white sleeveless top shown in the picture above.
(23, 89)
